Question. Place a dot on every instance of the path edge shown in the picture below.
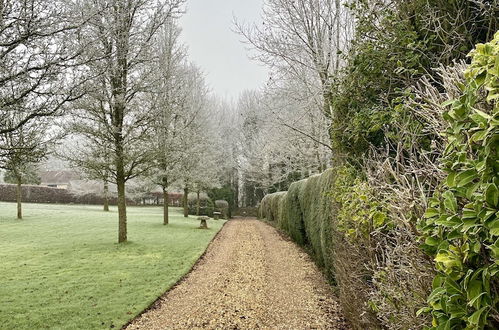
(308, 251)
(158, 301)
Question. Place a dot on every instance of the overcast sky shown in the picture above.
(216, 49)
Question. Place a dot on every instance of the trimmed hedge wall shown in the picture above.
(305, 212)
(380, 274)
(40, 194)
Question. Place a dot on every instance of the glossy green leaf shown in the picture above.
(476, 316)
(492, 195)
(465, 177)
(431, 241)
(450, 201)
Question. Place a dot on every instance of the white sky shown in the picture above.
(207, 31)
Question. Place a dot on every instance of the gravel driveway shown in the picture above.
(249, 278)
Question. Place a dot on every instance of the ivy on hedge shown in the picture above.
(359, 212)
(461, 225)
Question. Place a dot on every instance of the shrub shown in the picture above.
(359, 214)
(206, 205)
(269, 206)
(294, 223)
(461, 229)
(223, 207)
(348, 230)
(305, 213)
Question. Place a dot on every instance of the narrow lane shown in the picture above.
(250, 278)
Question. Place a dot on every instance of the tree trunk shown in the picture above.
(119, 81)
(120, 183)
(122, 230)
(186, 207)
(198, 204)
(165, 206)
(106, 196)
(19, 198)
(338, 29)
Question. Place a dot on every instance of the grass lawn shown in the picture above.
(61, 268)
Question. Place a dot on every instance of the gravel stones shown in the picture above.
(250, 278)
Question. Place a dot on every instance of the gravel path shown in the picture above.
(249, 278)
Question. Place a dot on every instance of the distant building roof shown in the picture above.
(58, 177)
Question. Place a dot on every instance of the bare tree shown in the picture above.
(192, 119)
(39, 60)
(179, 110)
(272, 153)
(306, 35)
(170, 92)
(209, 153)
(22, 149)
(91, 155)
(124, 32)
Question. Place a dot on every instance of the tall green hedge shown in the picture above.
(333, 215)
(305, 213)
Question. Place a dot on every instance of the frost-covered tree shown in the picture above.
(193, 119)
(272, 153)
(118, 111)
(22, 150)
(226, 123)
(91, 156)
(39, 60)
(208, 152)
(171, 118)
(303, 42)
(179, 104)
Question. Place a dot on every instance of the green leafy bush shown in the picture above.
(359, 217)
(344, 224)
(222, 207)
(322, 222)
(359, 212)
(269, 206)
(294, 224)
(206, 205)
(461, 226)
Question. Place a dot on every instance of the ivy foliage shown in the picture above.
(461, 225)
(359, 212)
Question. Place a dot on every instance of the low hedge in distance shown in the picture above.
(41, 194)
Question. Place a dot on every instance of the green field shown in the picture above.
(61, 268)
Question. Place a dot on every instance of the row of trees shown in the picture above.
(286, 125)
(110, 82)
